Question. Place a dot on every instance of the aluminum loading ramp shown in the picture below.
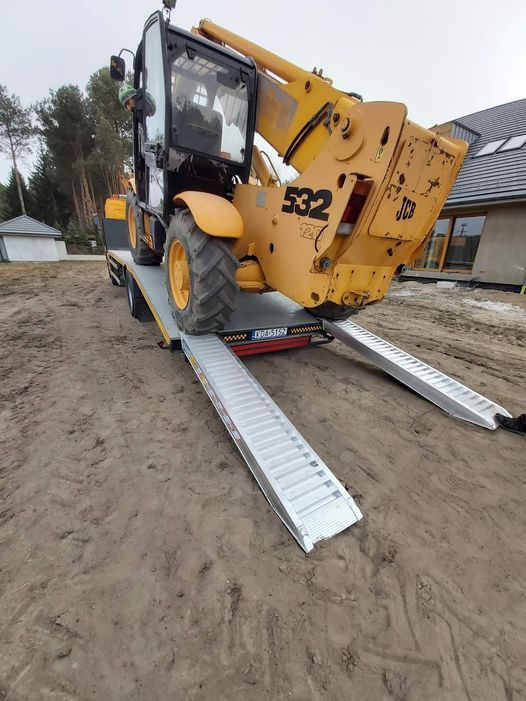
(301, 489)
(448, 394)
(299, 486)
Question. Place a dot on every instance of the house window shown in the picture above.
(515, 142)
(509, 144)
(432, 253)
(463, 243)
(201, 96)
(452, 245)
(489, 148)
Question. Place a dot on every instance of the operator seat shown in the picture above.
(197, 128)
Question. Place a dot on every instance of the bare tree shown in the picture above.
(16, 132)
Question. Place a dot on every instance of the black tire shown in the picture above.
(332, 311)
(137, 305)
(142, 254)
(212, 266)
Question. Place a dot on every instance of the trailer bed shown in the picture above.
(284, 321)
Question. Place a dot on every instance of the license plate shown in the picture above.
(260, 334)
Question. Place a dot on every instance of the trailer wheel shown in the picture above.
(142, 254)
(200, 276)
(330, 310)
(139, 309)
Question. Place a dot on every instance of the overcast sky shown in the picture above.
(443, 59)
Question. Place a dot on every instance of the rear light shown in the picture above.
(354, 207)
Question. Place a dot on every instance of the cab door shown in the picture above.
(154, 142)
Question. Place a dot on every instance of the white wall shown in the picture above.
(501, 255)
(30, 248)
(61, 250)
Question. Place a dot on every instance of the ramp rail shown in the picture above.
(299, 486)
(440, 389)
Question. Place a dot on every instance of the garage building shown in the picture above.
(26, 239)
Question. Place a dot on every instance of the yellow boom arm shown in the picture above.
(294, 106)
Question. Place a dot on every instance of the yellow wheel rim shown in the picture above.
(132, 229)
(179, 274)
(147, 231)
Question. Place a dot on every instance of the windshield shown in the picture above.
(209, 108)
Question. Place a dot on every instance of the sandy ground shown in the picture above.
(139, 560)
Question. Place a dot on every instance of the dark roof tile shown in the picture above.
(497, 176)
(27, 226)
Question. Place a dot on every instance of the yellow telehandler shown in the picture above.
(370, 182)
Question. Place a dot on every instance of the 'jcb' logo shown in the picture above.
(407, 209)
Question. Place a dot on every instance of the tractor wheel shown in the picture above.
(332, 311)
(142, 254)
(200, 276)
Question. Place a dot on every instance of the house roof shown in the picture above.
(497, 176)
(27, 226)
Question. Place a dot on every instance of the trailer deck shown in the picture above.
(260, 322)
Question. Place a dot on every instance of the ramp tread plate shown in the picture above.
(449, 394)
(272, 447)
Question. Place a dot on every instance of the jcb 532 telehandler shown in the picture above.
(371, 183)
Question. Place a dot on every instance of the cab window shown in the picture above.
(154, 96)
(209, 108)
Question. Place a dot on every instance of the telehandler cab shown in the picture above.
(371, 183)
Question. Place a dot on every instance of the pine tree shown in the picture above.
(12, 205)
(111, 155)
(68, 135)
(88, 138)
(16, 133)
(44, 191)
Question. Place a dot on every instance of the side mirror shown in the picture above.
(118, 68)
